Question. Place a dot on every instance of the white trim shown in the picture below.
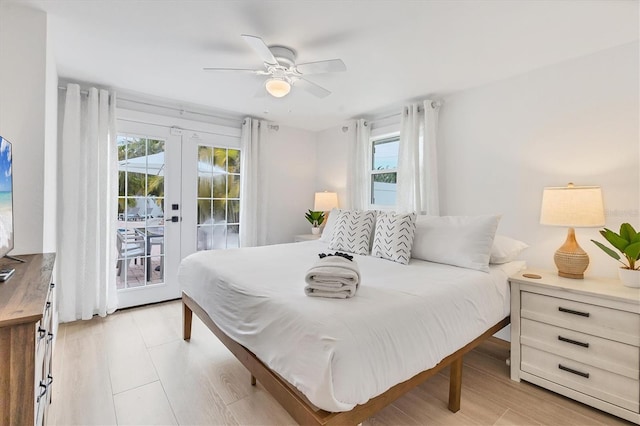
(181, 123)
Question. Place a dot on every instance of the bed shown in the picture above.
(339, 361)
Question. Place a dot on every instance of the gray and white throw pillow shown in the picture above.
(352, 231)
(394, 236)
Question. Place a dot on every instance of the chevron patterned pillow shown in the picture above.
(394, 236)
(352, 231)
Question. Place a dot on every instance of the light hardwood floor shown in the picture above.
(133, 368)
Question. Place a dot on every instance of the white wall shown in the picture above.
(290, 158)
(332, 160)
(50, 151)
(26, 106)
(577, 121)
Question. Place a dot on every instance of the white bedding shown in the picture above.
(339, 353)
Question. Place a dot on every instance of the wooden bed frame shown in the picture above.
(299, 407)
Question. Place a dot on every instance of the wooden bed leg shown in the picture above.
(455, 384)
(187, 316)
(253, 380)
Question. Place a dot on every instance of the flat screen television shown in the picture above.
(6, 198)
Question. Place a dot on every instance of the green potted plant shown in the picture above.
(627, 242)
(315, 219)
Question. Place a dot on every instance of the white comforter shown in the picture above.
(340, 353)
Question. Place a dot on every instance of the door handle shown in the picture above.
(173, 219)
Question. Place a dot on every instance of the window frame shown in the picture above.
(371, 172)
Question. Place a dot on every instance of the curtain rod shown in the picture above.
(179, 110)
(434, 104)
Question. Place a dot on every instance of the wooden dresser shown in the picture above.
(26, 340)
(579, 338)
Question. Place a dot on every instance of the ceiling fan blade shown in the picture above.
(321, 67)
(243, 70)
(260, 48)
(312, 88)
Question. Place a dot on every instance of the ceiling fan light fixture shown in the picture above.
(278, 87)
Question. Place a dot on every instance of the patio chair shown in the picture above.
(132, 213)
(130, 247)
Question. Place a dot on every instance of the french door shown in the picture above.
(210, 192)
(179, 192)
(147, 238)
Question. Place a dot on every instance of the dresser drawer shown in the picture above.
(600, 321)
(610, 387)
(616, 357)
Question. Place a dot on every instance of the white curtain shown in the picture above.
(87, 208)
(417, 188)
(253, 226)
(358, 172)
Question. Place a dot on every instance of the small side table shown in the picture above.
(306, 237)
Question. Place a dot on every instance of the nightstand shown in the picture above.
(306, 237)
(579, 338)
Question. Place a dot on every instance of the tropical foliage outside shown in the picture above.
(134, 187)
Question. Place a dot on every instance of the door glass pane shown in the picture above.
(204, 211)
(219, 207)
(233, 236)
(233, 161)
(220, 168)
(219, 186)
(233, 190)
(140, 230)
(220, 158)
(233, 211)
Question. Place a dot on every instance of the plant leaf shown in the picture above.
(627, 232)
(607, 250)
(616, 240)
(633, 251)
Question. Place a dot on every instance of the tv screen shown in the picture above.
(6, 198)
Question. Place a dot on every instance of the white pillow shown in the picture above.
(463, 241)
(505, 249)
(352, 231)
(394, 236)
(329, 225)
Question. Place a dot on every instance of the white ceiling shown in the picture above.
(394, 50)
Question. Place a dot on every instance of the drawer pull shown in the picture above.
(47, 306)
(50, 337)
(573, 342)
(50, 380)
(571, 370)
(52, 285)
(571, 311)
(41, 333)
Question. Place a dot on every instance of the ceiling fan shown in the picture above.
(282, 70)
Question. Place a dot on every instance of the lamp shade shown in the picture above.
(325, 201)
(278, 87)
(572, 206)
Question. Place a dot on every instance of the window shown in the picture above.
(384, 170)
(218, 198)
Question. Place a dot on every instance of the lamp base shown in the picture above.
(570, 259)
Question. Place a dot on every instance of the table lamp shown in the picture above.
(324, 202)
(574, 207)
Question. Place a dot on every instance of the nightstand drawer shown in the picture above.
(597, 320)
(608, 355)
(618, 390)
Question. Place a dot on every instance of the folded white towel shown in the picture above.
(333, 276)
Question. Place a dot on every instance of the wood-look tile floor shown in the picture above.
(133, 368)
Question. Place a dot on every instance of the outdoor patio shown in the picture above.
(144, 266)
